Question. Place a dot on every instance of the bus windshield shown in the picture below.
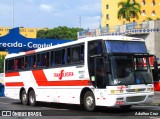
(130, 70)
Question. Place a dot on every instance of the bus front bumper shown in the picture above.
(127, 99)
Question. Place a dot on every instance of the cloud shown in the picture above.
(90, 7)
(46, 7)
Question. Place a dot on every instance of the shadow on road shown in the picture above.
(55, 109)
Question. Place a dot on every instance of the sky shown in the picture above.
(50, 13)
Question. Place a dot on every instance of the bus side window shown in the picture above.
(34, 61)
(10, 65)
(47, 59)
(64, 59)
(82, 53)
(58, 57)
(43, 59)
(68, 55)
(52, 59)
(22, 62)
(16, 64)
(76, 54)
(38, 60)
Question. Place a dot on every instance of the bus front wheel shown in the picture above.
(89, 101)
(24, 98)
(32, 98)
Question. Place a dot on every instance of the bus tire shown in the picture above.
(32, 98)
(89, 101)
(24, 98)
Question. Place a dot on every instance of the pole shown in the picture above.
(13, 14)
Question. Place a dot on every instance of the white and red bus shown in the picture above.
(94, 71)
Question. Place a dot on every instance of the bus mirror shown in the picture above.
(107, 67)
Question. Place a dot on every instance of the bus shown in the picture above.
(155, 66)
(96, 71)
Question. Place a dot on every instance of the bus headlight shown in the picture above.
(150, 89)
(116, 92)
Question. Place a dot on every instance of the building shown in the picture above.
(27, 32)
(149, 10)
(3, 53)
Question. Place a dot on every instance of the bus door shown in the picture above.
(99, 67)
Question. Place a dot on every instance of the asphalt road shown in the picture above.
(66, 111)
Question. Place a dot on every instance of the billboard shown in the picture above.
(14, 42)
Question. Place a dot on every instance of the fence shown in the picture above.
(130, 28)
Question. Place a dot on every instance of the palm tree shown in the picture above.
(128, 10)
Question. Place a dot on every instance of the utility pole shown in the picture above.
(80, 21)
(13, 14)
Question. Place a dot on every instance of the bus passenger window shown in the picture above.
(76, 54)
(10, 64)
(43, 59)
(58, 57)
(68, 55)
(38, 60)
(82, 53)
(16, 64)
(34, 61)
(52, 59)
(64, 59)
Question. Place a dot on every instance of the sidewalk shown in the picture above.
(156, 100)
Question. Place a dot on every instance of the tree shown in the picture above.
(61, 32)
(128, 10)
(2, 57)
(149, 19)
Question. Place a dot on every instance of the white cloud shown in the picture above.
(46, 7)
(90, 7)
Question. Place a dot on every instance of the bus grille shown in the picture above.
(135, 98)
(133, 90)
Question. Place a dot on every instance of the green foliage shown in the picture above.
(128, 10)
(61, 32)
(149, 19)
(158, 18)
(2, 63)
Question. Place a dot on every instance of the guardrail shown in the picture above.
(130, 28)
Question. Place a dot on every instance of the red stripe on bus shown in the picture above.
(30, 52)
(42, 80)
(10, 74)
(14, 84)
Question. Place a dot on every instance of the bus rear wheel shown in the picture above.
(32, 98)
(89, 101)
(24, 98)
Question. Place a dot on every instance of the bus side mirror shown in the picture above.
(107, 67)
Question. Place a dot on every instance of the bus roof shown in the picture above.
(120, 38)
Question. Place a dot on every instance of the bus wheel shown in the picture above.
(32, 98)
(125, 107)
(24, 98)
(89, 101)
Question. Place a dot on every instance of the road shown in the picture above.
(65, 111)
